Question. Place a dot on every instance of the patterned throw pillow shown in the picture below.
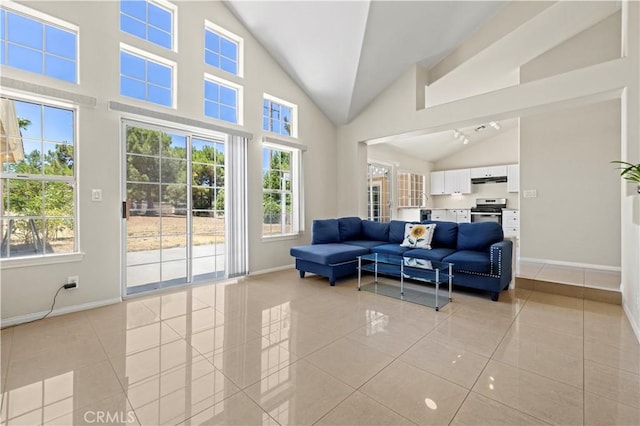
(417, 235)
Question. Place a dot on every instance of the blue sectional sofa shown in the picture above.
(480, 256)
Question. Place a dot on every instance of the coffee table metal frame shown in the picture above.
(400, 261)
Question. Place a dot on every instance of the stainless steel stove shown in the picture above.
(488, 210)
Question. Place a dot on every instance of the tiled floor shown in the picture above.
(275, 349)
(596, 278)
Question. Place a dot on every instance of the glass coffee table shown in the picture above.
(417, 270)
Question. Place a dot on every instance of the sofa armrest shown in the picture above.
(501, 255)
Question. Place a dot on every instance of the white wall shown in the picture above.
(30, 290)
(393, 112)
(565, 158)
(630, 151)
(566, 155)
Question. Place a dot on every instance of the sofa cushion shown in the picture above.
(445, 235)
(394, 249)
(325, 231)
(396, 231)
(350, 228)
(375, 231)
(418, 235)
(365, 243)
(470, 261)
(328, 254)
(436, 254)
(478, 236)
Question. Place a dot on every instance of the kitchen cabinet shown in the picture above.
(451, 215)
(438, 214)
(437, 183)
(492, 171)
(463, 216)
(513, 178)
(451, 182)
(457, 182)
(511, 223)
(458, 215)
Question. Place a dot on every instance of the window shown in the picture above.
(280, 189)
(279, 116)
(36, 45)
(149, 20)
(38, 209)
(222, 99)
(222, 49)
(411, 190)
(146, 77)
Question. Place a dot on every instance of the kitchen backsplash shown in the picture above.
(486, 190)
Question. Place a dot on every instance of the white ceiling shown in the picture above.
(344, 53)
(442, 144)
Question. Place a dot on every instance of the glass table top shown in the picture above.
(411, 262)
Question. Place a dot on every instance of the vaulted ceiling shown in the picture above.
(344, 53)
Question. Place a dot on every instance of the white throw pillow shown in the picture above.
(417, 235)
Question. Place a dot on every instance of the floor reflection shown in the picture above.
(275, 349)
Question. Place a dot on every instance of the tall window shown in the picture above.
(222, 99)
(38, 212)
(411, 190)
(222, 49)
(33, 43)
(279, 116)
(280, 171)
(146, 77)
(150, 20)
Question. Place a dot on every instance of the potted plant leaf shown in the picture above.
(630, 172)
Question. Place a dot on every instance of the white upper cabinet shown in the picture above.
(464, 176)
(457, 181)
(493, 171)
(437, 183)
(513, 178)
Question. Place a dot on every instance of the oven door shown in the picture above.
(486, 217)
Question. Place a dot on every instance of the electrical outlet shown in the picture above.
(530, 193)
(73, 280)
(96, 195)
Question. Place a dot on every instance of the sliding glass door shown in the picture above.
(174, 208)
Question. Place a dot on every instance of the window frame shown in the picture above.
(415, 198)
(73, 181)
(234, 38)
(239, 97)
(163, 4)
(45, 20)
(294, 114)
(147, 56)
(297, 198)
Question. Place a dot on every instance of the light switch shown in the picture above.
(96, 195)
(530, 193)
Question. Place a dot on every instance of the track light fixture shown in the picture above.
(458, 135)
(495, 125)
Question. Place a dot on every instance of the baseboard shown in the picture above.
(580, 292)
(7, 322)
(634, 325)
(573, 264)
(267, 271)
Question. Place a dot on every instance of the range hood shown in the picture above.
(489, 179)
